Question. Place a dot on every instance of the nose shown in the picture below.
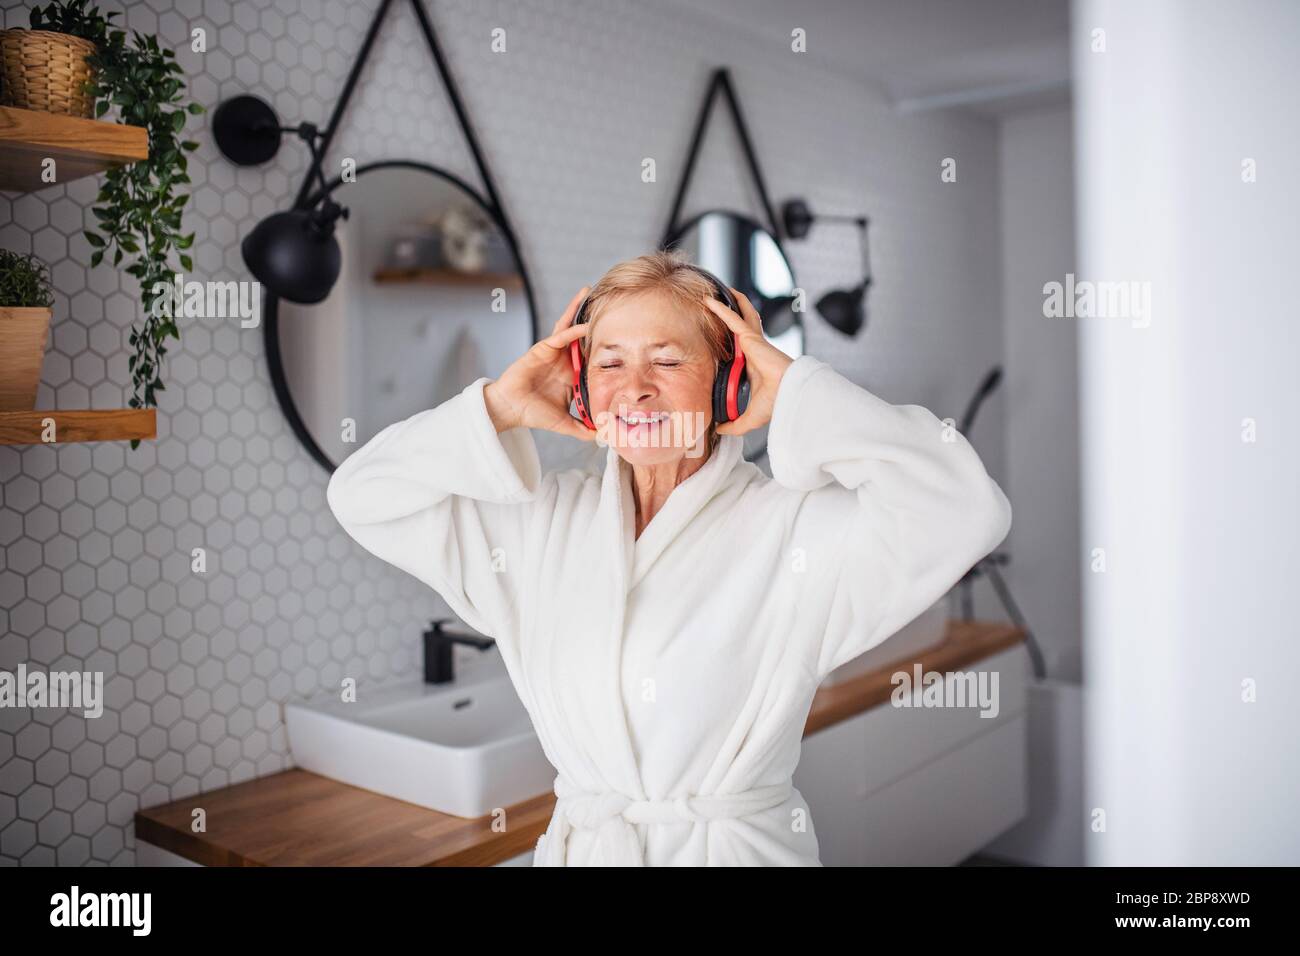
(638, 386)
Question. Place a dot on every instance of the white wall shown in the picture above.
(1199, 527)
(1041, 382)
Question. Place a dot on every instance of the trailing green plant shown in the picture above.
(24, 282)
(138, 210)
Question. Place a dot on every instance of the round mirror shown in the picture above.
(430, 297)
(746, 257)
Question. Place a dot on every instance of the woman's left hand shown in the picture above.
(764, 364)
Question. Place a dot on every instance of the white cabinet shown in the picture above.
(832, 776)
(920, 786)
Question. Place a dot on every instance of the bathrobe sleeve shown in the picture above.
(444, 497)
(895, 507)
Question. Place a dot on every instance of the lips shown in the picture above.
(633, 419)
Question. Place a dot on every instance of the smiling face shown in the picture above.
(650, 378)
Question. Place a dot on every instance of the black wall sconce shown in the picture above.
(843, 309)
(294, 253)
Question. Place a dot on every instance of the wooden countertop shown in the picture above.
(297, 818)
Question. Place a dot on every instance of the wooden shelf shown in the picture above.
(118, 424)
(506, 280)
(965, 643)
(79, 147)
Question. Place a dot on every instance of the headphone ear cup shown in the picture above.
(578, 391)
(723, 295)
(720, 393)
(720, 382)
(586, 399)
(582, 399)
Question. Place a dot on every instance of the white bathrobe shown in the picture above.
(669, 676)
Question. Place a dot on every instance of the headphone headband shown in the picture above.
(720, 291)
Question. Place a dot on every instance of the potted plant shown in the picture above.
(25, 301)
(49, 69)
(138, 207)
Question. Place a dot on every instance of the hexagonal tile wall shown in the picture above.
(96, 540)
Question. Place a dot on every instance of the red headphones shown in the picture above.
(730, 385)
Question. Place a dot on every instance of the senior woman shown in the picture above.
(666, 620)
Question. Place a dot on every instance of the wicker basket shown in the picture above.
(46, 71)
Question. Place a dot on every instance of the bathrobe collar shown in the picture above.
(685, 501)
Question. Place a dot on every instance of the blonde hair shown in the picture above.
(666, 272)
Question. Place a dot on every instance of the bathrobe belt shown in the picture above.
(613, 814)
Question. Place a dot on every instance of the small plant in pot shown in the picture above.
(139, 205)
(25, 307)
(48, 68)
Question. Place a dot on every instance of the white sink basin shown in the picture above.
(463, 748)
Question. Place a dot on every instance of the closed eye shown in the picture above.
(660, 364)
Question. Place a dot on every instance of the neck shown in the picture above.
(652, 484)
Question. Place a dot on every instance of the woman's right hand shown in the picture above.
(535, 391)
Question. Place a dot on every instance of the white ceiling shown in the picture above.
(992, 56)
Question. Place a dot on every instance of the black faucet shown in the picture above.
(437, 650)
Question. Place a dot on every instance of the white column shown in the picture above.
(1200, 527)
